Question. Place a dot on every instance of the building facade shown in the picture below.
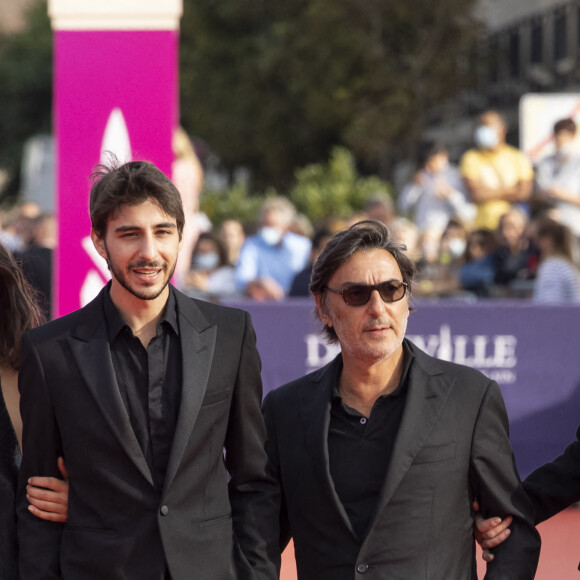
(528, 46)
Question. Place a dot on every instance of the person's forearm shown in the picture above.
(481, 193)
(567, 196)
(521, 191)
(497, 486)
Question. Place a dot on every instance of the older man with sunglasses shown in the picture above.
(380, 454)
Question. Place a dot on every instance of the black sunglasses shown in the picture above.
(360, 294)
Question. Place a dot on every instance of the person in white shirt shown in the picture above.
(558, 278)
(558, 176)
(436, 193)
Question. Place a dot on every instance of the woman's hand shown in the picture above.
(48, 496)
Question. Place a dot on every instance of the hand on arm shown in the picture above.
(48, 496)
(496, 484)
(263, 289)
(491, 532)
(521, 191)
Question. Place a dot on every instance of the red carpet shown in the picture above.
(558, 560)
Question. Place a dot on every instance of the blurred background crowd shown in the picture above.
(492, 226)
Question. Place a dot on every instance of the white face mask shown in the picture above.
(271, 236)
(456, 247)
(565, 151)
(207, 261)
(486, 137)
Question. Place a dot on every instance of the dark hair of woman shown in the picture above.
(19, 309)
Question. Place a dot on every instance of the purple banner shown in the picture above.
(532, 351)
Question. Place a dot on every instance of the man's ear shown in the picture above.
(322, 309)
(99, 244)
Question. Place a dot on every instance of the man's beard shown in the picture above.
(119, 275)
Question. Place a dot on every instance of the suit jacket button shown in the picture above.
(164, 510)
(362, 567)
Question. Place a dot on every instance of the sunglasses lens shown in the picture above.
(357, 295)
(391, 291)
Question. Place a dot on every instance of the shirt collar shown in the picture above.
(408, 358)
(115, 322)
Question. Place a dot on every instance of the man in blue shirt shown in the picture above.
(271, 258)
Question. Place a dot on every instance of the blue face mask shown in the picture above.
(271, 236)
(207, 261)
(486, 137)
(565, 151)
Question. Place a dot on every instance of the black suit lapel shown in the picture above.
(315, 400)
(89, 345)
(198, 340)
(428, 391)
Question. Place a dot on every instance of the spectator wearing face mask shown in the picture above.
(438, 274)
(558, 177)
(496, 174)
(271, 258)
(437, 192)
(210, 277)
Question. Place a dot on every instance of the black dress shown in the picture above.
(9, 462)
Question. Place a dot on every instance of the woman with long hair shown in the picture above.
(558, 277)
(48, 496)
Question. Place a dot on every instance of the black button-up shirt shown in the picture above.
(360, 449)
(149, 380)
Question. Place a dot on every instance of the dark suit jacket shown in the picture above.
(120, 526)
(556, 485)
(452, 446)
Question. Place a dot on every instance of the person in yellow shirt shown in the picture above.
(496, 174)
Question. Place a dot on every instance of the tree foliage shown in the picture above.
(275, 85)
(332, 189)
(25, 89)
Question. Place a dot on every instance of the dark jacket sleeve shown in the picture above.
(556, 485)
(496, 484)
(39, 540)
(252, 492)
(279, 525)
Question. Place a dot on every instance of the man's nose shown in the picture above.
(148, 247)
(376, 303)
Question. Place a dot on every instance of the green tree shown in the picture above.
(275, 85)
(25, 89)
(334, 189)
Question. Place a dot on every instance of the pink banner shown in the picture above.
(114, 90)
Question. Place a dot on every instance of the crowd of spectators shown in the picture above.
(492, 227)
(496, 226)
(30, 235)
